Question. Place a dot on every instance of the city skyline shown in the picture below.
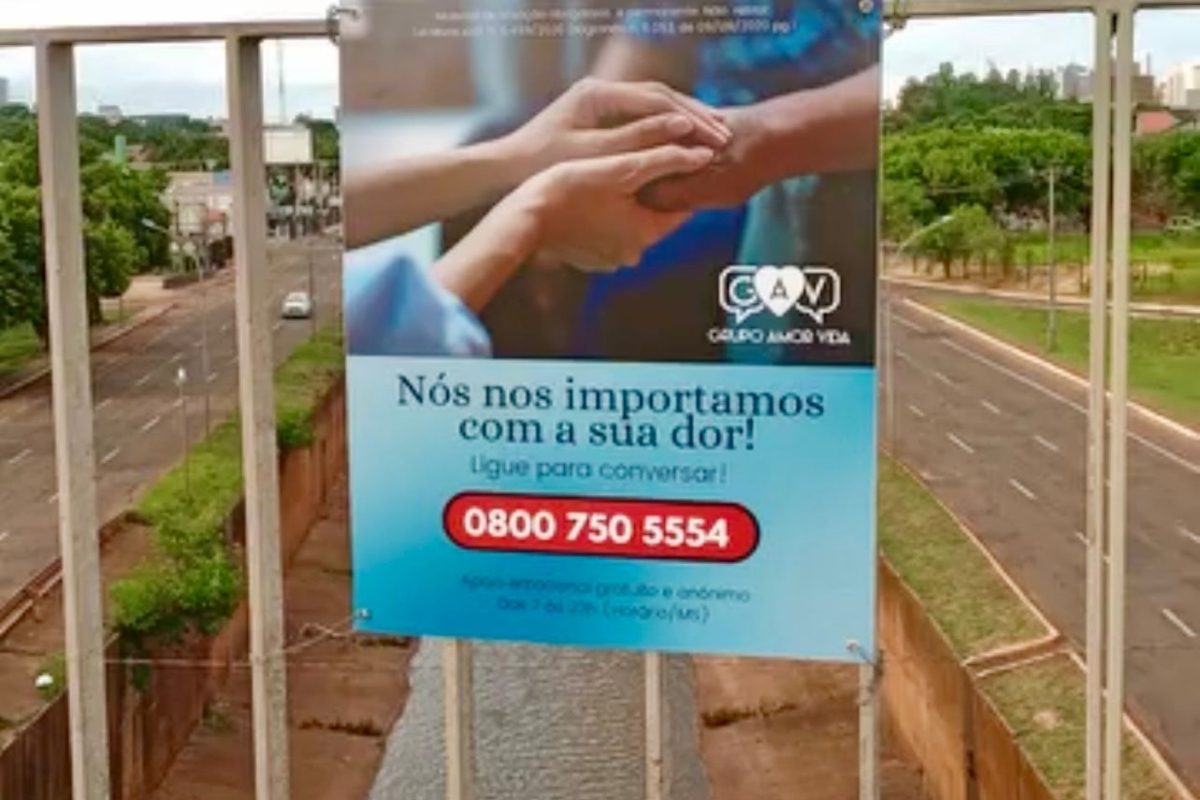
(188, 77)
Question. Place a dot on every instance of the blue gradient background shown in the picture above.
(810, 483)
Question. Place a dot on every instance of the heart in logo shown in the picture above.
(779, 287)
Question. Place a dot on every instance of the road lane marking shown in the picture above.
(151, 423)
(966, 448)
(177, 357)
(3, 535)
(1185, 533)
(277, 325)
(111, 455)
(52, 499)
(1046, 443)
(142, 381)
(916, 411)
(212, 377)
(1082, 539)
(903, 356)
(992, 407)
(104, 403)
(908, 323)
(19, 457)
(178, 402)
(941, 376)
(1053, 395)
(1174, 619)
(1045, 366)
(1022, 488)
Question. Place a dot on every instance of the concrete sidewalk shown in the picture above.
(1180, 310)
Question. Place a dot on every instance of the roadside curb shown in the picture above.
(1181, 311)
(142, 319)
(1144, 413)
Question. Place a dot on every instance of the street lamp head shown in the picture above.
(181, 376)
(151, 224)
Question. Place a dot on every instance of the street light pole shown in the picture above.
(180, 382)
(889, 380)
(204, 356)
(1052, 321)
(312, 292)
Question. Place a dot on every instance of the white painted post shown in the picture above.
(257, 390)
(62, 215)
(656, 760)
(1098, 324)
(1118, 411)
(458, 674)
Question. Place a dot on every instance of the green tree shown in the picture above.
(112, 258)
(326, 141)
(905, 208)
(969, 232)
(20, 257)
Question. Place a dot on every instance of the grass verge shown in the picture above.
(1044, 705)
(951, 577)
(1164, 354)
(18, 346)
(192, 584)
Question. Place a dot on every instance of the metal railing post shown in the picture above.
(257, 390)
(66, 290)
(1118, 411)
(1098, 318)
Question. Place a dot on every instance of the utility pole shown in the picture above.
(283, 115)
(1052, 322)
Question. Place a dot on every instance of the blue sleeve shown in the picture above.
(397, 309)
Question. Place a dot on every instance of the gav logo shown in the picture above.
(746, 290)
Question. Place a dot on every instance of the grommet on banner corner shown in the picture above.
(856, 649)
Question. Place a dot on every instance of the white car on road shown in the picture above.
(297, 305)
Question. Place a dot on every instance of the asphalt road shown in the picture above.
(1004, 444)
(138, 414)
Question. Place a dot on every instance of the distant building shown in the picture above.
(1075, 82)
(1181, 85)
(111, 114)
(201, 202)
(3, 91)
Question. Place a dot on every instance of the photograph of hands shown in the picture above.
(595, 223)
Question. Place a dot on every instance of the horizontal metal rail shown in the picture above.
(316, 28)
(181, 32)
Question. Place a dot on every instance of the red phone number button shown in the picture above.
(691, 531)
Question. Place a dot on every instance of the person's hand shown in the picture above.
(735, 174)
(596, 118)
(586, 213)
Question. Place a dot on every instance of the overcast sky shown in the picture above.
(160, 78)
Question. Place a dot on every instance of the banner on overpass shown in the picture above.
(610, 312)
